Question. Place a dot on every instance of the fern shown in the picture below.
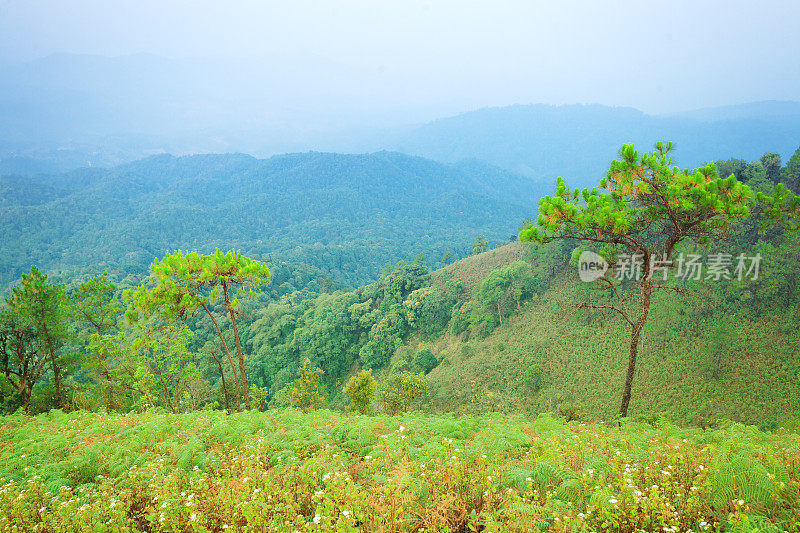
(745, 478)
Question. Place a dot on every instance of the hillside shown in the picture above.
(693, 365)
(346, 214)
(575, 141)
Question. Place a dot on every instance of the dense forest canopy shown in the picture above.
(331, 215)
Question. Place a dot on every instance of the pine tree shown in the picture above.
(361, 390)
(41, 308)
(480, 245)
(307, 390)
(648, 208)
(791, 173)
(182, 284)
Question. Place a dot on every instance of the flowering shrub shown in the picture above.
(324, 471)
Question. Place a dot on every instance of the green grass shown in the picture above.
(325, 471)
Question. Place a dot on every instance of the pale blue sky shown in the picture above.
(656, 56)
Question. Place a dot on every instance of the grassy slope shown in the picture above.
(584, 355)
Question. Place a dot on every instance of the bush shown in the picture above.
(259, 397)
(307, 392)
(425, 360)
(571, 410)
(430, 308)
(361, 389)
(161, 472)
(535, 379)
(400, 390)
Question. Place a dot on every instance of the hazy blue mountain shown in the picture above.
(78, 110)
(346, 214)
(577, 141)
(751, 110)
(69, 111)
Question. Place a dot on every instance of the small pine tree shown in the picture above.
(307, 391)
(361, 389)
(400, 390)
(259, 397)
(480, 245)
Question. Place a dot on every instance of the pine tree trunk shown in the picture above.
(56, 381)
(224, 385)
(26, 393)
(230, 359)
(626, 395)
(245, 391)
(56, 368)
(636, 332)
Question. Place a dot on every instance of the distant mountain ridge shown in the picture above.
(753, 110)
(577, 141)
(69, 111)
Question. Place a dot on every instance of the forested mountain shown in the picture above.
(575, 141)
(346, 214)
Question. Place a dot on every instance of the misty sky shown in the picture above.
(456, 55)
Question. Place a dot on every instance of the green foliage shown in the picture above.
(384, 338)
(34, 332)
(308, 393)
(642, 190)
(502, 292)
(498, 296)
(186, 329)
(181, 284)
(399, 391)
(480, 245)
(361, 391)
(571, 410)
(650, 207)
(429, 309)
(302, 212)
(791, 174)
(771, 162)
(259, 397)
(324, 471)
(340, 329)
(447, 257)
(535, 379)
(425, 360)
(94, 305)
